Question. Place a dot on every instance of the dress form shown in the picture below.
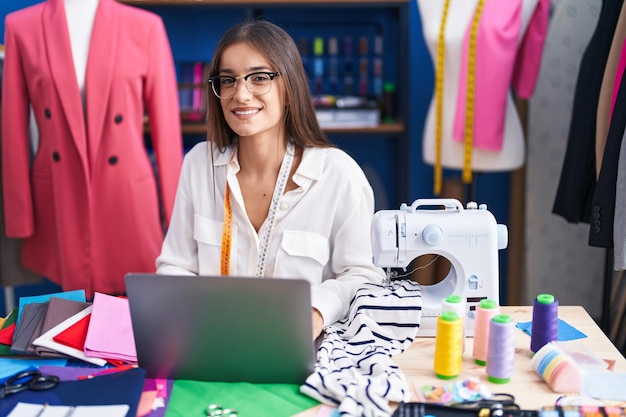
(80, 16)
(460, 14)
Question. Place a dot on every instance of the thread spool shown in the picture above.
(501, 349)
(485, 311)
(456, 304)
(545, 321)
(448, 345)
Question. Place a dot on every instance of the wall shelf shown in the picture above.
(195, 26)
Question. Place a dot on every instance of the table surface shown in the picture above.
(529, 389)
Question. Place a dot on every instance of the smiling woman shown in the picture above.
(263, 140)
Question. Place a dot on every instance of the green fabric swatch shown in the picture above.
(191, 398)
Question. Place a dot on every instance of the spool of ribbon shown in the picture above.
(557, 369)
(545, 321)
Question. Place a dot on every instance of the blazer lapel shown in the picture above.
(100, 70)
(59, 51)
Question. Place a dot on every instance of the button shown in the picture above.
(118, 119)
(56, 156)
(47, 113)
(596, 215)
(596, 209)
(596, 230)
(113, 160)
(284, 206)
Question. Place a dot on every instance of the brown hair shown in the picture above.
(280, 50)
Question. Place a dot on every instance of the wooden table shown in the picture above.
(529, 389)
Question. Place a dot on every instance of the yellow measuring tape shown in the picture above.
(469, 111)
(471, 90)
(227, 234)
(439, 98)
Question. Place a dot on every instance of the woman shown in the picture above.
(267, 195)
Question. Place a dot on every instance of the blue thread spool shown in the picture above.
(501, 349)
(545, 321)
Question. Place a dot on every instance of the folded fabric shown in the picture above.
(117, 388)
(47, 339)
(9, 366)
(565, 330)
(258, 400)
(6, 334)
(59, 310)
(354, 369)
(110, 334)
(8, 331)
(32, 314)
(75, 335)
(77, 295)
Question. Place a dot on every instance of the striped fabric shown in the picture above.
(354, 370)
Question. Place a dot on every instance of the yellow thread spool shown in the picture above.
(448, 346)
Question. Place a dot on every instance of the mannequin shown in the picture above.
(486, 155)
(80, 15)
(87, 205)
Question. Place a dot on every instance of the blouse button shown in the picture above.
(118, 119)
(56, 157)
(284, 206)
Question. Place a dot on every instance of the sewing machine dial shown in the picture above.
(432, 235)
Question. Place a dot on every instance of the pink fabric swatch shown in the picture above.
(110, 334)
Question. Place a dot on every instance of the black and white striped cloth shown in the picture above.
(354, 371)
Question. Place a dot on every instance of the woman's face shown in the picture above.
(248, 114)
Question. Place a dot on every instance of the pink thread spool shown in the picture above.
(485, 311)
(501, 349)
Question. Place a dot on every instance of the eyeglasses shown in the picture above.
(257, 83)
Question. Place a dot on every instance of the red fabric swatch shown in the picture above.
(6, 334)
(74, 336)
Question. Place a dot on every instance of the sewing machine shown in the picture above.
(469, 238)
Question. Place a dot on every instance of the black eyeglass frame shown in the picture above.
(270, 74)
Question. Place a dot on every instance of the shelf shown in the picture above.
(390, 128)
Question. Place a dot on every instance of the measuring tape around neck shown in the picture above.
(279, 189)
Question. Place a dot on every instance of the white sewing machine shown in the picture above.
(469, 238)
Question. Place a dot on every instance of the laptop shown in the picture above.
(227, 329)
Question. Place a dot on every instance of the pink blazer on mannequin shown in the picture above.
(87, 202)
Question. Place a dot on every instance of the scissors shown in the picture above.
(32, 380)
(497, 403)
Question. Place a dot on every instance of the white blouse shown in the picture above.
(321, 234)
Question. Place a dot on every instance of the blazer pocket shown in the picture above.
(208, 235)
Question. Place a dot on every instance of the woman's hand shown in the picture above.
(318, 323)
